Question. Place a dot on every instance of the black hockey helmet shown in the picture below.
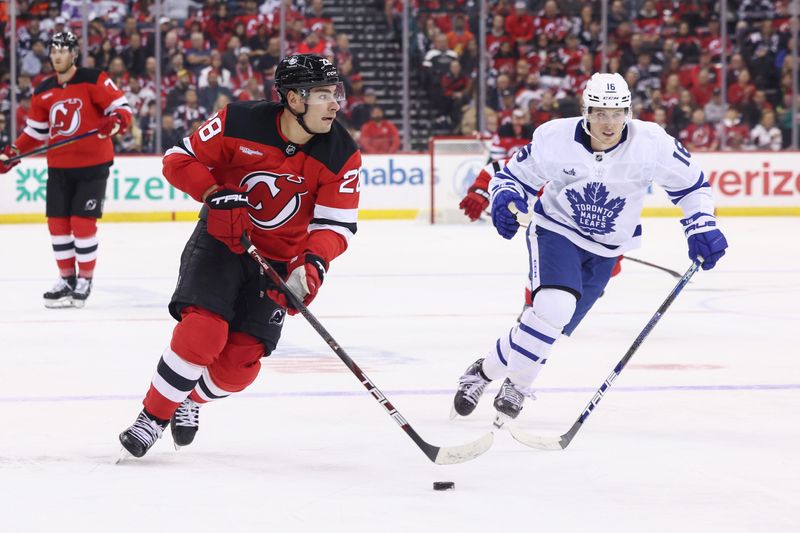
(64, 39)
(304, 71)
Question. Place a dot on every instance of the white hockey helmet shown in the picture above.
(606, 90)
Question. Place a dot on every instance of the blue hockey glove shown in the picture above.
(709, 245)
(503, 219)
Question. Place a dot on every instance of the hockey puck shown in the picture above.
(443, 485)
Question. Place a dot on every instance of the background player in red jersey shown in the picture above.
(74, 101)
(288, 175)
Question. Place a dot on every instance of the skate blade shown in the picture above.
(78, 304)
(123, 456)
(453, 414)
(61, 303)
(500, 420)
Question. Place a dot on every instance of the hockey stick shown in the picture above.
(560, 443)
(441, 455)
(673, 273)
(48, 147)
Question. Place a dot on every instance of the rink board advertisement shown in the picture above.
(398, 186)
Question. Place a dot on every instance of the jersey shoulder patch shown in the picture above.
(333, 149)
(85, 75)
(254, 121)
(46, 85)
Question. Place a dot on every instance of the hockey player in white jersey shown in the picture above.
(594, 171)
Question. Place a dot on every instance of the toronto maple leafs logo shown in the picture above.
(594, 212)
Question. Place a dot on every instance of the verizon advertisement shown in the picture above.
(753, 179)
(401, 183)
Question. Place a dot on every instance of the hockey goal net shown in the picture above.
(455, 163)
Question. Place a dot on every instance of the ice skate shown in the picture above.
(508, 402)
(470, 389)
(185, 423)
(60, 295)
(83, 287)
(141, 436)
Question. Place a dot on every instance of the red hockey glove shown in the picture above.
(228, 217)
(110, 126)
(475, 202)
(8, 152)
(306, 273)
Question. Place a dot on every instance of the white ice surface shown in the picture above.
(699, 433)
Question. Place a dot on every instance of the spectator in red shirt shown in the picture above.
(699, 136)
(519, 24)
(704, 89)
(552, 23)
(736, 134)
(496, 34)
(312, 44)
(546, 110)
(741, 92)
(518, 128)
(456, 90)
(379, 136)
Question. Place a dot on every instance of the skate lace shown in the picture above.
(188, 414)
(60, 284)
(82, 285)
(472, 386)
(146, 431)
(515, 395)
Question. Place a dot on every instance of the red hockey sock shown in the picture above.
(63, 245)
(85, 231)
(197, 341)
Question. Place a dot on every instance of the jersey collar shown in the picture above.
(583, 139)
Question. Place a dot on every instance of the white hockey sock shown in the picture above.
(175, 377)
(494, 364)
(208, 390)
(531, 343)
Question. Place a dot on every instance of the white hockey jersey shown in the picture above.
(595, 199)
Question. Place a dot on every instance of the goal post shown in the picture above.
(455, 163)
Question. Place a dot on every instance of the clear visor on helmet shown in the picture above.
(324, 94)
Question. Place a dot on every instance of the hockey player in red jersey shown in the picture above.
(74, 101)
(476, 200)
(286, 174)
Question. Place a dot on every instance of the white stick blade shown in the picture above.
(536, 441)
(451, 455)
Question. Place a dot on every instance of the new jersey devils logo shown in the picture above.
(274, 198)
(65, 117)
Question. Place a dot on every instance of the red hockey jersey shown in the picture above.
(302, 197)
(60, 111)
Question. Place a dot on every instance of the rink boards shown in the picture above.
(397, 186)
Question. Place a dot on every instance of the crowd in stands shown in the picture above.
(542, 52)
(213, 52)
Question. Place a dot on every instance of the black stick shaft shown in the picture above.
(673, 273)
(49, 147)
(569, 435)
(428, 449)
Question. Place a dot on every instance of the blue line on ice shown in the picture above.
(431, 392)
